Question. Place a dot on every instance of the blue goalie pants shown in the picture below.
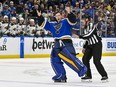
(65, 54)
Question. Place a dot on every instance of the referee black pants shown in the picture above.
(94, 51)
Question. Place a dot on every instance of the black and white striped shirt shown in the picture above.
(90, 34)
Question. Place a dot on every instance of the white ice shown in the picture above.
(38, 73)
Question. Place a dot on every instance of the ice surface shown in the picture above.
(38, 73)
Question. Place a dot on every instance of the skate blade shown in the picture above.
(60, 81)
(105, 81)
(87, 80)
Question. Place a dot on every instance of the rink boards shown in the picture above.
(31, 47)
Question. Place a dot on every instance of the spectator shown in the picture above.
(45, 4)
(42, 7)
(50, 12)
(115, 24)
(5, 24)
(96, 17)
(6, 2)
(91, 11)
(6, 11)
(19, 8)
(0, 18)
(13, 27)
(29, 4)
(1, 7)
(12, 9)
(33, 12)
(1, 29)
(31, 27)
(74, 3)
(62, 7)
(77, 9)
(21, 27)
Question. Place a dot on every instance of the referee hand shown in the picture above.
(83, 50)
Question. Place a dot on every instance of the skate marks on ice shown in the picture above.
(38, 73)
(51, 84)
(77, 83)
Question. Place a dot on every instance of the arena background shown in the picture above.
(21, 37)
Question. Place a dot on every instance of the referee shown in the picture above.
(92, 48)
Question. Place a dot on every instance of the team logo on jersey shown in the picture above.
(58, 27)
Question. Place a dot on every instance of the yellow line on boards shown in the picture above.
(36, 55)
(43, 56)
(9, 56)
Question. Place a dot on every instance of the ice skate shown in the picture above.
(86, 79)
(62, 79)
(104, 79)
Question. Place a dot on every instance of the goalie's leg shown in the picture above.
(73, 62)
(58, 67)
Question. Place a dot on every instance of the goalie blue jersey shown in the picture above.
(59, 29)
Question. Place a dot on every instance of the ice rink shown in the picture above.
(38, 73)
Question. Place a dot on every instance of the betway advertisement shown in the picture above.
(45, 45)
(38, 45)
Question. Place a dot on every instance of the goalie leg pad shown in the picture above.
(73, 62)
(57, 66)
(56, 62)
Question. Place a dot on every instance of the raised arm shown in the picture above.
(70, 17)
(41, 19)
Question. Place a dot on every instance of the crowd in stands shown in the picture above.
(19, 17)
